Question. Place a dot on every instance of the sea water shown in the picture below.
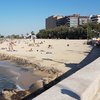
(14, 76)
(6, 83)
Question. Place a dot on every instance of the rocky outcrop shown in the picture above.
(13, 94)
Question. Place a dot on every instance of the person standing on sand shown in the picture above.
(33, 37)
(10, 46)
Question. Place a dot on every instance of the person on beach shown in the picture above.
(33, 37)
(50, 46)
(10, 46)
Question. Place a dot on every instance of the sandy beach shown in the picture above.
(46, 53)
(47, 59)
(61, 52)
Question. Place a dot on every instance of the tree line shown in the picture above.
(89, 30)
(86, 31)
(17, 36)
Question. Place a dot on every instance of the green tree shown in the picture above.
(89, 32)
(32, 33)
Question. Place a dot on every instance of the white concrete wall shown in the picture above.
(82, 85)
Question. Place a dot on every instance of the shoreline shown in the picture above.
(17, 72)
(25, 81)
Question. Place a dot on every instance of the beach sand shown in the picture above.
(46, 53)
(61, 53)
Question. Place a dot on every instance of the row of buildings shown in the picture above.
(74, 20)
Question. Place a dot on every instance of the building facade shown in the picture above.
(51, 21)
(74, 20)
(95, 18)
(83, 20)
(62, 21)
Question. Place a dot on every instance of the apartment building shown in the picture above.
(51, 21)
(74, 20)
(83, 20)
(62, 21)
(95, 18)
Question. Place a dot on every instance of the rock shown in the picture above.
(21, 94)
(45, 81)
(30, 50)
(48, 52)
(14, 94)
(49, 71)
(35, 86)
(50, 46)
(15, 97)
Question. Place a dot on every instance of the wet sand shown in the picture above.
(22, 77)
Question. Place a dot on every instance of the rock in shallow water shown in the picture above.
(6, 83)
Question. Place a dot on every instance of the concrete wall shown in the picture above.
(82, 85)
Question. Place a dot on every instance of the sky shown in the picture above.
(24, 16)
